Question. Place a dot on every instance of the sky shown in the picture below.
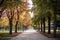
(30, 7)
(30, 4)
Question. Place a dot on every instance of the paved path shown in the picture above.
(31, 34)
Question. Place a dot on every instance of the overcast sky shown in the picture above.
(30, 6)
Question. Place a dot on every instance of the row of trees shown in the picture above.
(46, 10)
(12, 8)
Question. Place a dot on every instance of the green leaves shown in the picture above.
(11, 3)
(41, 9)
(44, 8)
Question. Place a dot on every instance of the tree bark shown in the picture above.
(16, 26)
(49, 24)
(17, 21)
(55, 23)
(55, 20)
(41, 25)
(38, 27)
(44, 25)
(10, 22)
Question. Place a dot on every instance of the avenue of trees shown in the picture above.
(46, 11)
(12, 9)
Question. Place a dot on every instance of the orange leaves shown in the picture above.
(23, 0)
(25, 18)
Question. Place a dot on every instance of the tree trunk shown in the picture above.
(10, 22)
(41, 25)
(16, 26)
(44, 25)
(17, 21)
(49, 24)
(55, 24)
(55, 20)
(38, 27)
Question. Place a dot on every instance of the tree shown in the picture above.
(9, 5)
(49, 9)
(40, 9)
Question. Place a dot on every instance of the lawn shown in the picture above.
(4, 38)
(5, 33)
(58, 31)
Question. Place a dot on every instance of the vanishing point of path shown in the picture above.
(31, 34)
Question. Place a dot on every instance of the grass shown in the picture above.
(6, 34)
(7, 31)
(4, 38)
(53, 31)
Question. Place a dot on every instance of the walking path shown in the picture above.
(31, 34)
